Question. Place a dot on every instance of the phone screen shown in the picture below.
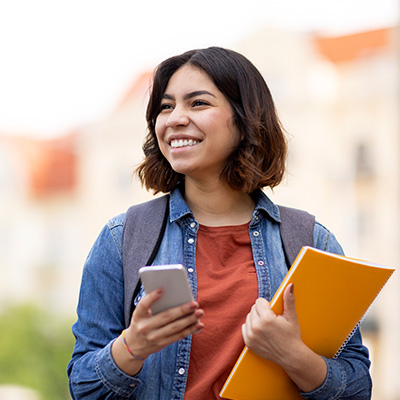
(172, 279)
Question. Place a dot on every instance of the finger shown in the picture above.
(153, 335)
(190, 330)
(289, 307)
(176, 325)
(175, 313)
(143, 309)
(247, 328)
(155, 323)
(177, 330)
(244, 334)
(251, 317)
(263, 308)
(251, 331)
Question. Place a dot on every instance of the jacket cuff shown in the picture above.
(334, 384)
(113, 377)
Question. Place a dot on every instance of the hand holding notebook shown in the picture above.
(278, 338)
(333, 293)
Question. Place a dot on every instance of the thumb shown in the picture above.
(289, 307)
(143, 308)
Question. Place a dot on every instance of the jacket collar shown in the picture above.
(178, 207)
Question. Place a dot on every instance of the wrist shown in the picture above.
(123, 359)
(306, 368)
(128, 348)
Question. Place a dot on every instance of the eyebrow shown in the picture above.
(190, 95)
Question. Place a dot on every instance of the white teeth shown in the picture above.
(183, 143)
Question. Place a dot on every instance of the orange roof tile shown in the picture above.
(350, 47)
(51, 164)
(139, 88)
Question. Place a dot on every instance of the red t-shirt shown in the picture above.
(227, 288)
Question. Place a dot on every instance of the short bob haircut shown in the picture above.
(259, 160)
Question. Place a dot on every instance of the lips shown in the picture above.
(176, 143)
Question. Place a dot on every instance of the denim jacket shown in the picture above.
(92, 371)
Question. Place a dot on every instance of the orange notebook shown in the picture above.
(332, 295)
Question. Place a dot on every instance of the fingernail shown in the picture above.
(200, 328)
(199, 313)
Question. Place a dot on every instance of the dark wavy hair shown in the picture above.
(260, 158)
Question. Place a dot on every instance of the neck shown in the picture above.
(217, 204)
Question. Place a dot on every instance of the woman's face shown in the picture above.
(195, 129)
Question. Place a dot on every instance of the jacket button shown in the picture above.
(191, 241)
(192, 224)
(256, 233)
(190, 270)
(181, 371)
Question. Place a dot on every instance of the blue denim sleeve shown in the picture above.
(92, 371)
(348, 375)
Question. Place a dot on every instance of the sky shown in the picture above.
(66, 63)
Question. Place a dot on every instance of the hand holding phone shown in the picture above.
(172, 279)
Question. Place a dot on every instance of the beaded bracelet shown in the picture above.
(127, 347)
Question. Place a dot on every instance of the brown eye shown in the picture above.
(199, 103)
(165, 107)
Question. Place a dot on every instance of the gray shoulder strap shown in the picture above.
(297, 230)
(143, 230)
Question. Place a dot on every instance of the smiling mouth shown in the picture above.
(184, 143)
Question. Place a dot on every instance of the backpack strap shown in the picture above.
(297, 230)
(144, 228)
(143, 231)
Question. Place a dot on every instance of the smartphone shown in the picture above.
(172, 279)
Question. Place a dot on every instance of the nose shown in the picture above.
(177, 117)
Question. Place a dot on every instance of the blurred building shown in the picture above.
(338, 98)
(56, 195)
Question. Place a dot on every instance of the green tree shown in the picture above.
(35, 347)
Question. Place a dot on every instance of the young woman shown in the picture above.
(214, 141)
